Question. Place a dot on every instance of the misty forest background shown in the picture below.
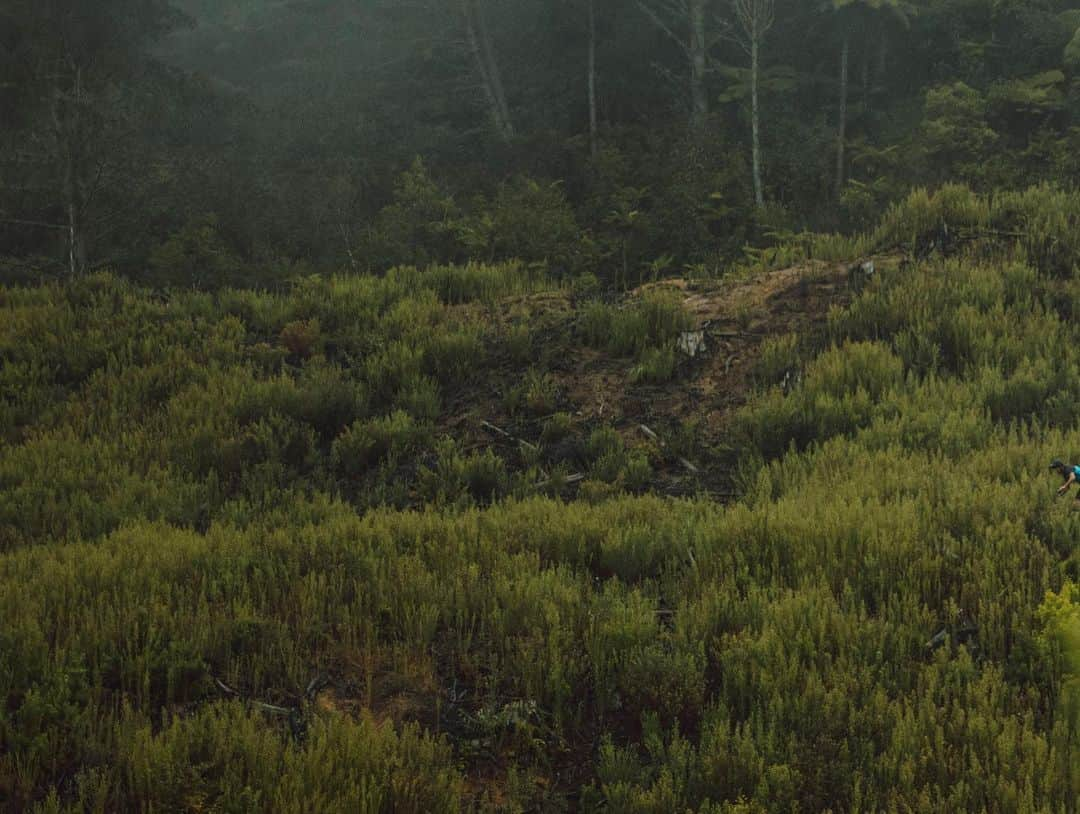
(204, 142)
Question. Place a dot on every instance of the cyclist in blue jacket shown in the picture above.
(1069, 472)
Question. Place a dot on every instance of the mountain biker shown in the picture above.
(1070, 473)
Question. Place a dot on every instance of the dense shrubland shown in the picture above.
(179, 493)
(181, 406)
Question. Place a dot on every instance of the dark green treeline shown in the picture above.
(247, 140)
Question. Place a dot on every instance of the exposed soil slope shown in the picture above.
(596, 387)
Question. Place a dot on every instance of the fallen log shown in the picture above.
(487, 425)
(577, 477)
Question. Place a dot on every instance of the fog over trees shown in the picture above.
(275, 134)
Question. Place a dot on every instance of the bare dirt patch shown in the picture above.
(595, 388)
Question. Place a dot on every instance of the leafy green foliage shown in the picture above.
(195, 254)
(955, 132)
(174, 164)
(1072, 50)
(536, 396)
(657, 366)
(367, 443)
(414, 229)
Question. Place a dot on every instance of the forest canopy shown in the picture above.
(219, 142)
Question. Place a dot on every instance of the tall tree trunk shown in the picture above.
(755, 121)
(699, 98)
(754, 19)
(594, 136)
(76, 238)
(478, 56)
(66, 110)
(480, 44)
(493, 70)
(695, 46)
(841, 136)
(865, 78)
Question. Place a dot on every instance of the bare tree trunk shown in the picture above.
(69, 144)
(487, 66)
(699, 97)
(754, 18)
(594, 136)
(478, 56)
(76, 244)
(670, 17)
(755, 125)
(841, 139)
(866, 80)
(493, 71)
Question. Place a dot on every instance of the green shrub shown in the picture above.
(657, 366)
(955, 133)
(609, 466)
(475, 282)
(301, 338)
(372, 441)
(842, 371)
(519, 344)
(585, 286)
(637, 474)
(651, 323)
(779, 358)
(320, 396)
(415, 229)
(664, 317)
(533, 221)
(838, 396)
(485, 476)
(1059, 618)
(226, 758)
(1047, 219)
(420, 399)
(388, 371)
(451, 356)
(604, 441)
(196, 255)
(595, 322)
(460, 480)
(630, 332)
(537, 395)
(328, 400)
(557, 428)
(923, 214)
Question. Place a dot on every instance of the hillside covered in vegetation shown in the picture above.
(325, 550)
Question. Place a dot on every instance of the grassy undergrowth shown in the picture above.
(178, 507)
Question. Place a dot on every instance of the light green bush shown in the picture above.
(369, 442)
(657, 366)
